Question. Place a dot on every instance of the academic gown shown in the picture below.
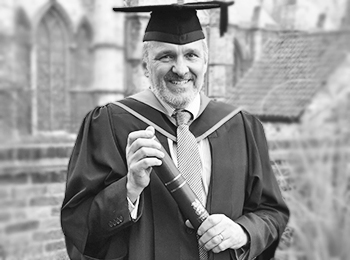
(95, 217)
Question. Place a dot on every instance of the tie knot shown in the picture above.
(182, 117)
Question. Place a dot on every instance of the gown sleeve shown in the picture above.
(95, 208)
(265, 213)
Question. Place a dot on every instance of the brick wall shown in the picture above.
(32, 184)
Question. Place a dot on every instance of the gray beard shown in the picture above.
(172, 100)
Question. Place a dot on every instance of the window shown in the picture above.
(22, 50)
(84, 57)
(81, 100)
(52, 61)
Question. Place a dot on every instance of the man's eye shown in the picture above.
(191, 55)
(165, 58)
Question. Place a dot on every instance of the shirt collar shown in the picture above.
(193, 107)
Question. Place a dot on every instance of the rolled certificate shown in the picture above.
(185, 198)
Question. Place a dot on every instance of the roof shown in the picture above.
(292, 68)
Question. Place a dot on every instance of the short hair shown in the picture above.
(149, 44)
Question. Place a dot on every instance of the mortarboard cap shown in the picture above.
(178, 23)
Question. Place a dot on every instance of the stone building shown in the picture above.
(298, 75)
(60, 58)
(52, 52)
(301, 69)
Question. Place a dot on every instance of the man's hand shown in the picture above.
(218, 233)
(142, 152)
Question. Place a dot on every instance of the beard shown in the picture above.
(176, 98)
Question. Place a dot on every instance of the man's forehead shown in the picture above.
(163, 46)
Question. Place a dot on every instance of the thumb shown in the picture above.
(151, 129)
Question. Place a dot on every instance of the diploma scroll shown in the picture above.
(176, 184)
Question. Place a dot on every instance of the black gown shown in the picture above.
(95, 217)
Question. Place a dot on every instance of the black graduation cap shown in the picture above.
(178, 23)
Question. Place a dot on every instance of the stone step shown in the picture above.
(34, 152)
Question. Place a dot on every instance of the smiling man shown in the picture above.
(115, 205)
(176, 72)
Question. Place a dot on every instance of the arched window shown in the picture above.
(81, 99)
(22, 69)
(84, 56)
(52, 60)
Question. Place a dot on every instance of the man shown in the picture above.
(116, 207)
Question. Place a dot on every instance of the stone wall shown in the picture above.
(32, 184)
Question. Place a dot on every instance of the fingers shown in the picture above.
(142, 153)
(218, 233)
(142, 138)
(146, 156)
(221, 243)
(210, 233)
(141, 145)
(147, 133)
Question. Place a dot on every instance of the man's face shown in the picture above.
(176, 72)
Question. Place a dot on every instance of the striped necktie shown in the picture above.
(188, 159)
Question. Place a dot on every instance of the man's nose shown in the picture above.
(180, 67)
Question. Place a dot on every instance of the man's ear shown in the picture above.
(206, 68)
(145, 69)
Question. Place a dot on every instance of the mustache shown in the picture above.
(171, 76)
